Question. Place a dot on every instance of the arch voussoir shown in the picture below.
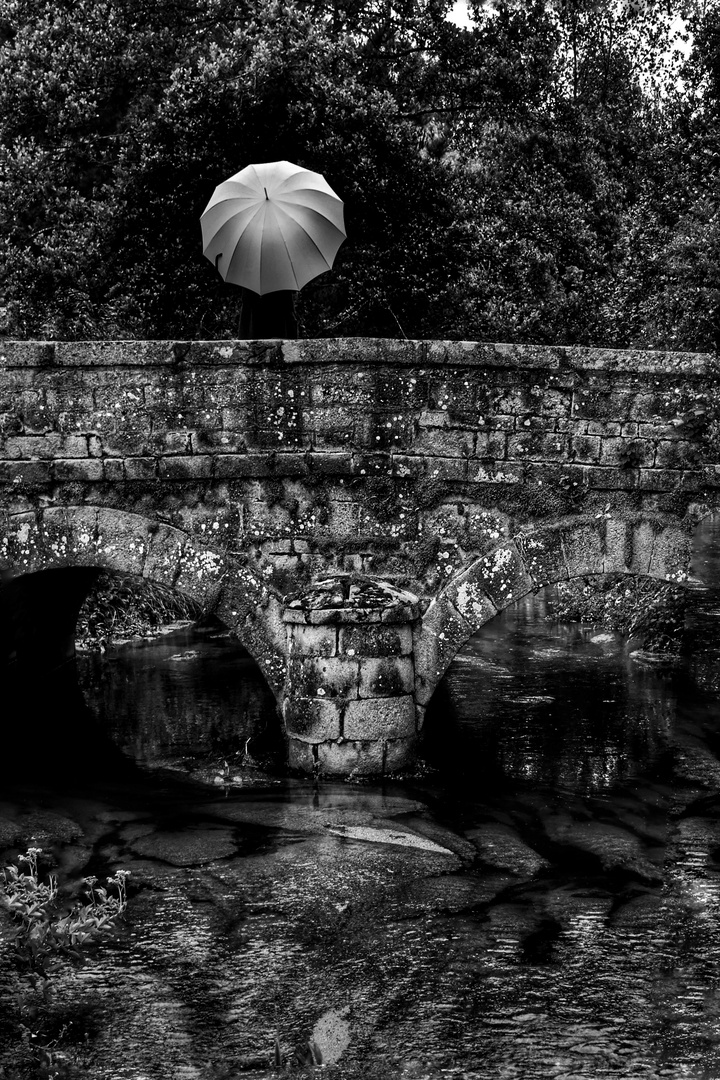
(108, 539)
(657, 546)
(436, 640)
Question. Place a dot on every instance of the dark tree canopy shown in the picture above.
(548, 173)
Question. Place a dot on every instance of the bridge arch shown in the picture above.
(657, 546)
(96, 537)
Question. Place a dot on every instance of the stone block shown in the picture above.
(366, 758)
(176, 442)
(344, 758)
(676, 454)
(46, 446)
(327, 463)
(548, 446)
(584, 547)
(490, 444)
(501, 574)
(604, 428)
(501, 472)
(628, 453)
(617, 546)
(186, 467)
(671, 553)
(122, 540)
(306, 641)
(443, 443)
(140, 468)
(640, 543)
(323, 677)
(379, 718)
(300, 756)
(239, 466)
(447, 468)
(586, 448)
(311, 720)
(442, 632)
(672, 480)
(89, 470)
(470, 599)
(400, 753)
(543, 555)
(386, 676)
(162, 562)
(610, 478)
(200, 572)
(28, 474)
(380, 639)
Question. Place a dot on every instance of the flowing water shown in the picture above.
(544, 903)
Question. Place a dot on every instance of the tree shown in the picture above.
(521, 179)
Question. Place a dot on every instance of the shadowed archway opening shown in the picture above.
(561, 687)
(531, 701)
(153, 681)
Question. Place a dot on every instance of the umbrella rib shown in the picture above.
(290, 263)
(307, 234)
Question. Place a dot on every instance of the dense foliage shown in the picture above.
(121, 606)
(547, 173)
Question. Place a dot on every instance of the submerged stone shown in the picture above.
(616, 848)
(500, 846)
(191, 847)
(45, 827)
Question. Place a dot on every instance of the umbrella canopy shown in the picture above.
(273, 226)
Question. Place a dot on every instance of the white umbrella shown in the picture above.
(273, 226)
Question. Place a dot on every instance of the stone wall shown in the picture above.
(241, 472)
(391, 457)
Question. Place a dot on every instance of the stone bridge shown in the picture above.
(353, 509)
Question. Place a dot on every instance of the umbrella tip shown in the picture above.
(266, 194)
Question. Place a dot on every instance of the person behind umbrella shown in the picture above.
(270, 229)
(268, 316)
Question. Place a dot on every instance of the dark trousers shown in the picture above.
(268, 316)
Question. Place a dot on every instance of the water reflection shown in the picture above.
(190, 693)
(529, 700)
(553, 910)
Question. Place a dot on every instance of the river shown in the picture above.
(543, 902)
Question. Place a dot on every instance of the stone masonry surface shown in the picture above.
(466, 473)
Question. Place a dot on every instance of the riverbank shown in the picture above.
(652, 611)
(121, 607)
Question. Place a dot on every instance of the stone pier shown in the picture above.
(349, 704)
